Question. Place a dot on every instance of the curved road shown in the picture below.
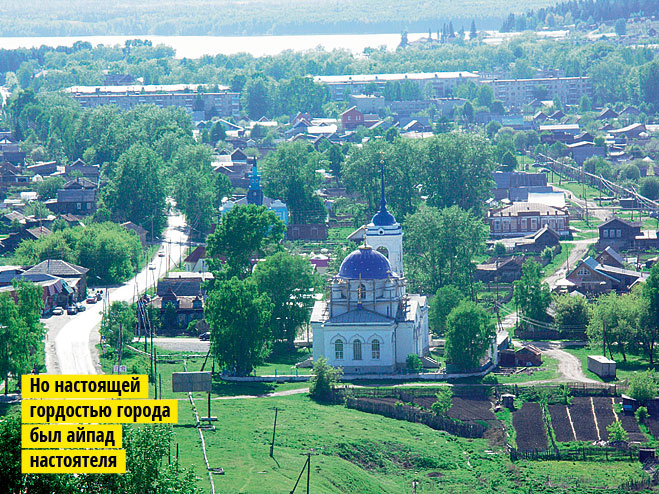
(71, 342)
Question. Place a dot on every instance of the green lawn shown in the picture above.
(550, 366)
(624, 370)
(558, 260)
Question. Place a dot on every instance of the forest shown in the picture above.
(256, 17)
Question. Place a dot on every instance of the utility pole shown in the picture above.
(274, 430)
(307, 466)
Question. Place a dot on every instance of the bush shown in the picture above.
(324, 377)
(643, 387)
(547, 255)
(499, 249)
(443, 403)
(641, 414)
(616, 432)
(490, 379)
(413, 363)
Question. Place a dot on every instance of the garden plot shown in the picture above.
(465, 409)
(653, 425)
(560, 422)
(604, 415)
(529, 427)
(583, 420)
(630, 424)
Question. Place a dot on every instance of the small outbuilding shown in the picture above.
(602, 366)
(528, 355)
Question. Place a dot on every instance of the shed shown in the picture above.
(507, 358)
(602, 366)
(629, 404)
(528, 355)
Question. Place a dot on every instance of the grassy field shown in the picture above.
(558, 260)
(624, 370)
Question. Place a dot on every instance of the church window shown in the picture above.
(375, 350)
(357, 350)
(338, 350)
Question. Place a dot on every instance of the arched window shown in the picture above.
(357, 350)
(375, 350)
(338, 350)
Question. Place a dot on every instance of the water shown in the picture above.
(197, 46)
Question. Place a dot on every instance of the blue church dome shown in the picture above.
(383, 218)
(366, 263)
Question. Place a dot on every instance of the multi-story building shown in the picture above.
(525, 218)
(518, 92)
(442, 83)
(222, 102)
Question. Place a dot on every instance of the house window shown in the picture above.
(78, 205)
(618, 233)
(375, 350)
(582, 272)
(357, 350)
(605, 233)
(338, 350)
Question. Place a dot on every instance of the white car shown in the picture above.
(152, 267)
(58, 311)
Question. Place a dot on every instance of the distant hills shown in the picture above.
(250, 17)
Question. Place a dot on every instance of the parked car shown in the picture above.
(161, 254)
(205, 336)
(58, 311)
(152, 267)
(71, 310)
(91, 299)
(80, 307)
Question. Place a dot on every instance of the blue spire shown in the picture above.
(383, 217)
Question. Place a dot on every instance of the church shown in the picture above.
(370, 324)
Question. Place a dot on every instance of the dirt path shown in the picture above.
(288, 392)
(569, 366)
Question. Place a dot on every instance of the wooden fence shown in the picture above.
(576, 453)
(401, 411)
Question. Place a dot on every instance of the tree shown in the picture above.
(445, 300)
(413, 363)
(616, 320)
(508, 161)
(47, 189)
(443, 403)
(650, 329)
(616, 432)
(585, 104)
(323, 378)
(621, 26)
(456, 169)
(21, 331)
(650, 187)
(531, 294)
(492, 128)
(643, 387)
(440, 246)
(648, 80)
(469, 333)
(257, 98)
(239, 319)
(118, 326)
(472, 30)
(137, 192)
(499, 249)
(243, 232)
(287, 280)
(289, 174)
(570, 312)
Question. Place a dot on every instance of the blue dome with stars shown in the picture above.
(365, 263)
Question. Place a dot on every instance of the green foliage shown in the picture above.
(287, 281)
(650, 187)
(508, 161)
(413, 363)
(445, 300)
(468, 335)
(531, 294)
(21, 331)
(547, 255)
(137, 191)
(616, 432)
(617, 321)
(643, 387)
(239, 319)
(118, 325)
(440, 245)
(323, 378)
(243, 232)
(443, 403)
(570, 312)
(499, 249)
(47, 189)
(108, 250)
(649, 333)
(289, 174)
(641, 414)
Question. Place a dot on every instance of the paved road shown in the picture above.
(71, 340)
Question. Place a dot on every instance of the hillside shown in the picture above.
(251, 17)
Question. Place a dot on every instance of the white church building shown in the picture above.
(370, 324)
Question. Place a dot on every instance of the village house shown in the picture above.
(137, 229)
(590, 276)
(525, 218)
(75, 276)
(78, 196)
(351, 118)
(91, 172)
(500, 270)
(507, 184)
(534, 242)
(195, 262)
(618, 233)
(582, 150)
